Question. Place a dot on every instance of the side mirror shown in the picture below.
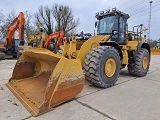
(96, 24)
(114, 32)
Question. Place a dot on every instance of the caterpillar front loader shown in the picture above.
(36, 40)
(42, 80)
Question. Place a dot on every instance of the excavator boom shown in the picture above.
(57, 35)
(18, 23)
(12, 46)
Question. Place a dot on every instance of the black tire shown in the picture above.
(14, 56)
(94, 66)
(139, 70)
(2, 56)
(130, 71)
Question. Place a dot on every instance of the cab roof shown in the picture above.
(111, 13)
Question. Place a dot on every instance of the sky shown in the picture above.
(85, 10)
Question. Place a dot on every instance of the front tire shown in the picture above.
(102, 66)
(131, 70)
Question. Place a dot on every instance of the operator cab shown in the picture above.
(112, 20)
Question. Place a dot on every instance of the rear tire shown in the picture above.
(142, 62)
(98, 67)
(130, 71)
(15, 55)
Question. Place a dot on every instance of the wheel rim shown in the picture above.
(110, 67)
(145, 63)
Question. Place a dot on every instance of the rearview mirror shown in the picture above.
(114, 32)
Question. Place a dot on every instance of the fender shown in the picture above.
(144, 45)
(115, 45)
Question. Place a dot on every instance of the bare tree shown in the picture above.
(1, 17)
(1, 24)
(44, 19)
(64, 18)
(30, 27)
(9, 18)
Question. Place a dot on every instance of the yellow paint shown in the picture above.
(62, 77)
(88, 45)
(110, 67)
(53, 79)
(40, 37)
(155, 51)
(145, 63)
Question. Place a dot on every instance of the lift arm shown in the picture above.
(17, 24)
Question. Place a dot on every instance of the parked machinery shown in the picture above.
(12, 46)
(37, 40)
(42, 80)
(54, 41)
(156, 50)
(82, 36)
(51, 42)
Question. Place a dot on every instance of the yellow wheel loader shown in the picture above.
(156, 50)
(42, 80)
(37, 40)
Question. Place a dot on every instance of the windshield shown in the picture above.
(106, 25)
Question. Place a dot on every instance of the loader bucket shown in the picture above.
(42, 80)
(155, 51)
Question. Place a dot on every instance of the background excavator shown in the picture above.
(42, 79)
(12, 46)
(51, 42)
(54, 41)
